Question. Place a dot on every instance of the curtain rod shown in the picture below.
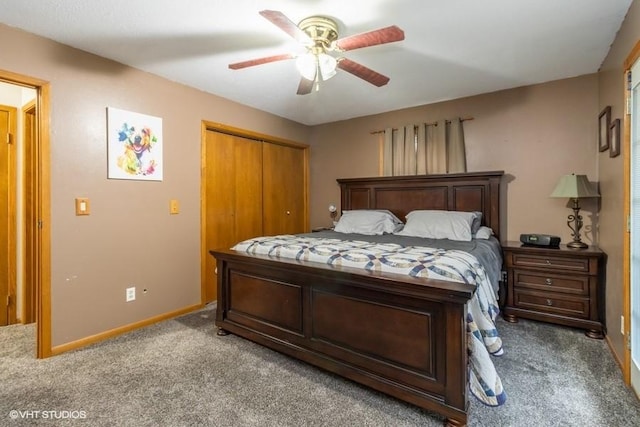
(464, 119)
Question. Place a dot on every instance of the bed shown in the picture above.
(405, 336)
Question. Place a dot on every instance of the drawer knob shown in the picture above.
(548, 281)
(548, 262)
(549, 302)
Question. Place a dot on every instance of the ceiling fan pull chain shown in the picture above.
(318, 74)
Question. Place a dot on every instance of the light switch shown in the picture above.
(82, 206)
(174, 207)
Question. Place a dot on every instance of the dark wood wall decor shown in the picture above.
(614, 143)
(604, 122)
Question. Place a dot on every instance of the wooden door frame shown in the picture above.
(43, 207)
(633, 56)
(29, 269)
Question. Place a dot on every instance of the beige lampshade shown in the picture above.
(574, 187)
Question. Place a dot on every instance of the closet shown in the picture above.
(253, 185)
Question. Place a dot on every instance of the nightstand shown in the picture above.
(562, 285)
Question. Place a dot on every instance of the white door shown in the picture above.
(635, 227)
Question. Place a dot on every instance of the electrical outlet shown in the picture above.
(622, 325)
(130, 294)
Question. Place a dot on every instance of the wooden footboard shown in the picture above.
(400, 335)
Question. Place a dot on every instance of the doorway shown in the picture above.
(27, 176)
(17, 260)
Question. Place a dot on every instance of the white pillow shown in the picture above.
(483, 233)
(436, 224)
(365, 221)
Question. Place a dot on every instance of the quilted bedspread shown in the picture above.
(417, 261)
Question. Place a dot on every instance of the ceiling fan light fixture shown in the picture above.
(309, 63)
(327, 64)
(319, 35)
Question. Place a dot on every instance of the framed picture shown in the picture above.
(604, 123)
(614, 131)
(134, 145)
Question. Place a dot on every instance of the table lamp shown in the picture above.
(575, 187)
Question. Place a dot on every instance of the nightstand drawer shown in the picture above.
(555, 262)
(552, 303)
(578, 285)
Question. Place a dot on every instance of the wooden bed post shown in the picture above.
(456, 393)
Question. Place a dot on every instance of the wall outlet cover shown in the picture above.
(130, 294)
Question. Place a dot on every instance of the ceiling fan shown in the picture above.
(319, 35)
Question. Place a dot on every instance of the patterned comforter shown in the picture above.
(417, 261)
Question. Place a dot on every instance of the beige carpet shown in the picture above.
(180, 373)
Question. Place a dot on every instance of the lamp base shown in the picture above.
(577, 245)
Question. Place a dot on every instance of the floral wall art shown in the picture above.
(134, 145)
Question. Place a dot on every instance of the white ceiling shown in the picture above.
(452, 48)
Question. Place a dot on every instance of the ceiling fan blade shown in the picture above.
(260, 61)
(371, 38)
(305, 86)
(363, 72)
(285, 24)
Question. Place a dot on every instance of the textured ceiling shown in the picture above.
(452, 48)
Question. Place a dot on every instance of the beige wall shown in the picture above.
(534, 133)
(129, 238)
(613, 223)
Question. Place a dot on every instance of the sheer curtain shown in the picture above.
(426, 148)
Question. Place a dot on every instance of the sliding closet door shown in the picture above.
(251, 187)
(233, 196)
(248, 189)
(284, 189)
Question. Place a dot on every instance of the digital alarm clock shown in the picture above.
(542, 240)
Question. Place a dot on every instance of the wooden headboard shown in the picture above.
(471, 191)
